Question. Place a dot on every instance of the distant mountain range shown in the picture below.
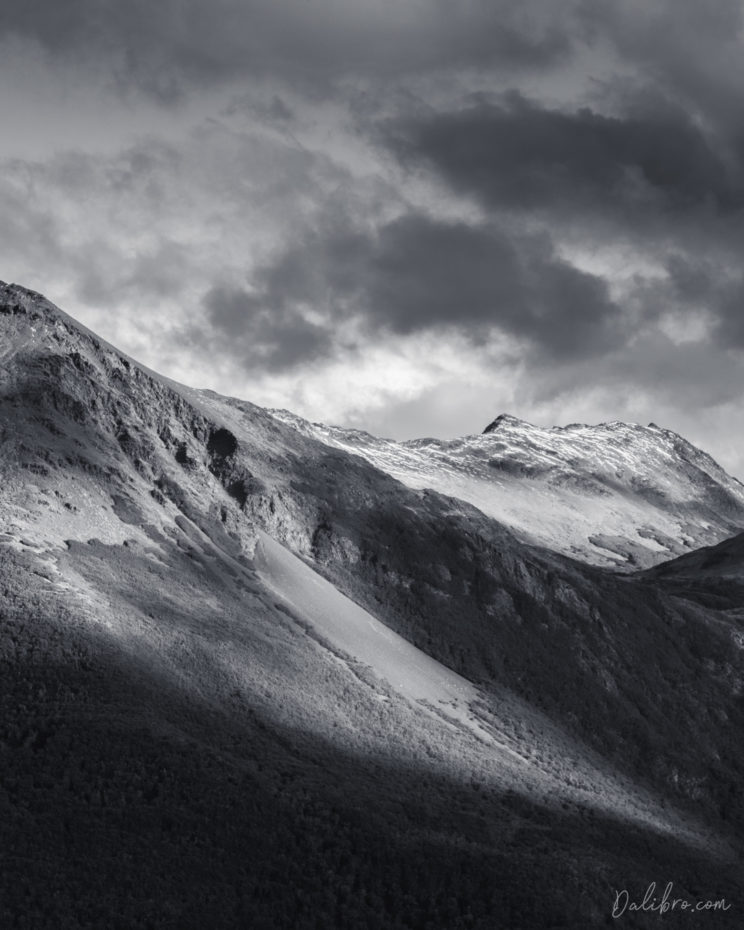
(617, 494)
(257, 672)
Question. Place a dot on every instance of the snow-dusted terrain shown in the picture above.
(353, 630)
(616, 494)
(250, 678)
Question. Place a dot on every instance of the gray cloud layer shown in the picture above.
(564, 177)
(411, 275)
(656, 179)
(265, 334)
(172, 45)
(525, 156)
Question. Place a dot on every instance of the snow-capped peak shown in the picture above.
(615, 494)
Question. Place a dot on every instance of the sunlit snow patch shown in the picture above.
(352, 630)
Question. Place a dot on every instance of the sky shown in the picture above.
(405, 216)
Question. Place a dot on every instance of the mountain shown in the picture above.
(248, 678)
(713, 576)
(618, 494)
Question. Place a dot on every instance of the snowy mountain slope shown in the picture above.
(616, 494)
(166, 663)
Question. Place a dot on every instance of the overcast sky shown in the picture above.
(407, 217)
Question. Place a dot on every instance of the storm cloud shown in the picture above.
(525, 156)
(264, 335)
(419, 274)
(654, 180)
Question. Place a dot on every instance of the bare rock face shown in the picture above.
(182, 731)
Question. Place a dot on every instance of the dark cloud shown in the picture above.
(693, 376)
(524, 156)
(654, 180)
(714, 289)
(268, 338)
(729, 330)
(688, 51)
(418, 274)
(162, 46)
(424, 273)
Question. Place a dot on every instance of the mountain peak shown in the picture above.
(504, 419)
(17, 300)
(18, 290)
(32, 323)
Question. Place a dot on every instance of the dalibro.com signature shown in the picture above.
(666, 904)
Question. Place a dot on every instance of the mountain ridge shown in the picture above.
(637, 521)
(615, 494)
